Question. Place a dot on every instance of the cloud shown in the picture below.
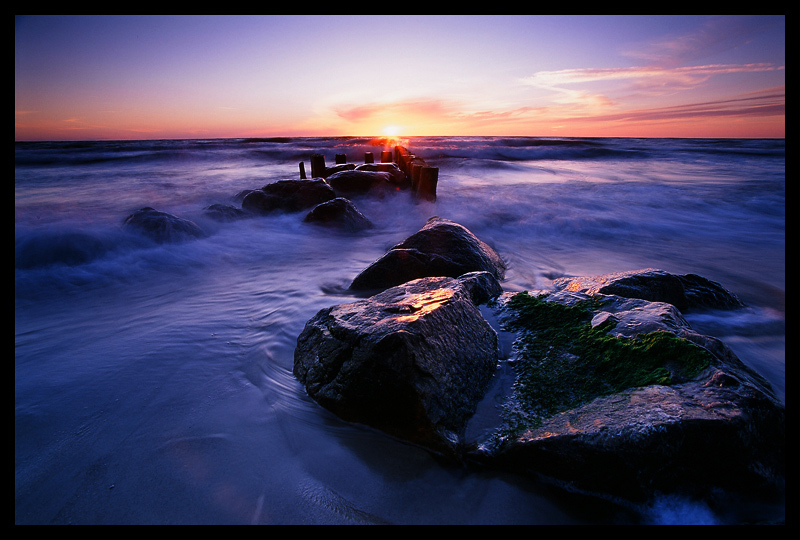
(768, 103)
(407, 107)
(687, 76)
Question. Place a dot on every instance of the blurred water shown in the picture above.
(153, 382)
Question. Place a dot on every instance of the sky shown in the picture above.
(177, 77)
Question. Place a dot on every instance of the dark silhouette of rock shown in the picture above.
(70, 248)
(288, 196)
(396, 177)
(163, 227)
(359, 182)
(441, 248)
(333, 169)
(340, 213)
(224, 212)
(413, 361)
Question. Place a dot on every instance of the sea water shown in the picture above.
(153, 382)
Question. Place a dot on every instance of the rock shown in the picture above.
(412, 361)
(338, 168)
(224, 212)
(351, 182)
(684, 292)
(339, 212)
(163, 227)
(441, 248)
(70, 248)
(396, 176)
(288, 196)
(621, 396)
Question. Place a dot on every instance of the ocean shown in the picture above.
(153, 382)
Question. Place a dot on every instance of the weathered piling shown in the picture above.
(426, 186)
(317, 166)
(302, 171)
(422, 178)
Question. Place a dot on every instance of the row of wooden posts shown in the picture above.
(423, 178)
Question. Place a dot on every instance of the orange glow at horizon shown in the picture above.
(105, 78)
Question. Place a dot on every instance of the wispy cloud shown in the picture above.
(436, 108)
(676, 77)
(771, 102)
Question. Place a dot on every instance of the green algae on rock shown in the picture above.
(563, 361)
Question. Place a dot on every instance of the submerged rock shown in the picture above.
(163, 227)
(441, 248)
(224, 212)
(339, 212)
(288, 196)
(413, 361)
(69, 248)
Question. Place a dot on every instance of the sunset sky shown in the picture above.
(166, 77)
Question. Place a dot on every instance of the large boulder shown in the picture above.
(340, 213)
(412, 361)
(161, 226)
(620, 396)
(288, 196)
(441, 248)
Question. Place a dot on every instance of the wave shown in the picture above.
(284, 149)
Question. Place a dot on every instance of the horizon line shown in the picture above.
(268, 137)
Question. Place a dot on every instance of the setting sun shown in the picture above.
(391, 131)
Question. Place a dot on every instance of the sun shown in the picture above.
(391, 131)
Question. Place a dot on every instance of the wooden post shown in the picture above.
(405, 163)
(317, 166)
(428, 178)
(368, 157)
(413, 172)
(341, 158)
(386, 157)
(302, 171)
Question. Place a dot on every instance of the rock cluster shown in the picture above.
(324, 205)
(614, 391)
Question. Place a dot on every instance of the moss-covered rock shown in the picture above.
(563, 361)
(621, 396)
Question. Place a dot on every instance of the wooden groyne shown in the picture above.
(422, 178)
